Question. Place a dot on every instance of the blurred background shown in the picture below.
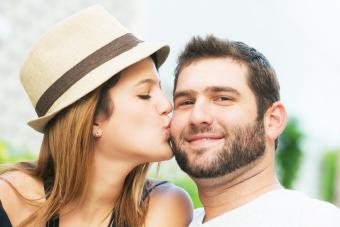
(300, 39)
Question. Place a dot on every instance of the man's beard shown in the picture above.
(243, 145)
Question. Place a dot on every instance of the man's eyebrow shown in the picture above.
(184, 93)
(148, 81)
(222, 89)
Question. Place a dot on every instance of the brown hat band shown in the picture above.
(97, 58)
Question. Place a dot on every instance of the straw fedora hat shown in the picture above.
(78, 55)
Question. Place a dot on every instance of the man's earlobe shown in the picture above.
(275, 120)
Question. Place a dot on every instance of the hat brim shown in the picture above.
(99, 76)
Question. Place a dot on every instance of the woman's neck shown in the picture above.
(105, 182)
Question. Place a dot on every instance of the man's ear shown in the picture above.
(275, 120)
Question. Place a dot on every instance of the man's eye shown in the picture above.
(222, 98)
(185, 103)
(145, 97)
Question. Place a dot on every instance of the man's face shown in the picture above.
(214, 129)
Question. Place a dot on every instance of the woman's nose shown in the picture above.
(164, 106)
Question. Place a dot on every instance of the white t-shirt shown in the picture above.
(279, 208)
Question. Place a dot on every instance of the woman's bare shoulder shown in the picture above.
(27, 185)
(16, 187)
(169, 205)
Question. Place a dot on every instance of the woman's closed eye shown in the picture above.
(144, 96)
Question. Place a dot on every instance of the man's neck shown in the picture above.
(223, 194)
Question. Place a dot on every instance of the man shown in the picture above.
(225, 127)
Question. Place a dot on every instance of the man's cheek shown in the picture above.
(173, 127)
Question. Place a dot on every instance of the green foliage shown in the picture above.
(328, 175)
(9, 154)
(188, 185)
(289, 153)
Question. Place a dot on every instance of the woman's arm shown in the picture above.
(169, 206)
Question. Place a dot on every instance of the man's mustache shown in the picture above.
(194, 130)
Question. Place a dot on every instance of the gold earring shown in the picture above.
(97, 134)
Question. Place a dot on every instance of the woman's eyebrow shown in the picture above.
(148, 81)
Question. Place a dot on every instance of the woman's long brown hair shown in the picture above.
(65, 158)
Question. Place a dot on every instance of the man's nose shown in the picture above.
(200, 114)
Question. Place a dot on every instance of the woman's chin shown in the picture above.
(165, 154)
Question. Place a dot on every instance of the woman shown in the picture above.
(96, 91)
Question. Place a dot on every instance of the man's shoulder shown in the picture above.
(296, 205)
(284, 208)
(198, 217)
(320, 213)
(302, 200)
(299, 200)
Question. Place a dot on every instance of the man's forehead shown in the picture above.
(215, 72)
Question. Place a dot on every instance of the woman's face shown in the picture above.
(138, 129)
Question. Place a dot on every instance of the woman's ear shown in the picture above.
(97, 130)
(275, 120)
